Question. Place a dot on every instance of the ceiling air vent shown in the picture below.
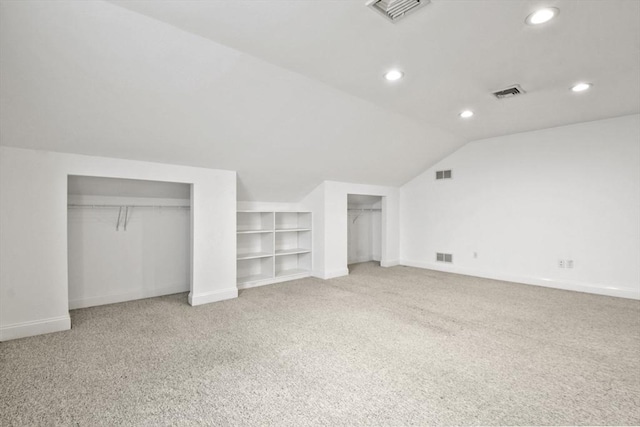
(393, 10)
(509, 92)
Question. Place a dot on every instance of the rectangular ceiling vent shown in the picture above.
(394, 10)
(509, 92)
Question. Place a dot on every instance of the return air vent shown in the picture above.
(393, 10)
(444, 174)
(441, 257)
(509, 92)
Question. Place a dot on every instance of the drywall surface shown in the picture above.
(33, 230)
(519, 204)
(101, 80)
(268, 206)
(314, 202)
(328, 202)
(109, 262)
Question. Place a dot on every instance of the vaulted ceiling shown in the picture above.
(290, 93)
(454, 54)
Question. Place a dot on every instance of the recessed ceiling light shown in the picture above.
(581, 87)
(393, 75)
(466, 114)
(541, 16)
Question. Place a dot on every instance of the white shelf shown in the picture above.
(253, 278)
(292, 220)
(292, 251)
(254, 255)
(292, 272)
(272, 247)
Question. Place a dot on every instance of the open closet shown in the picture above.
(127, 239)
(364, 228)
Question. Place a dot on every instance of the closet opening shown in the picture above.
(127, 239)
(364, 229)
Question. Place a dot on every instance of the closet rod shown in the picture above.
(129, 206)
(365, 210)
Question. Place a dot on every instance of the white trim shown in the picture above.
(360, 260)
(214, 296)
(129, 296)
(391, 263)
(35, 327)
(589, 288)
(273, 280)
(331, 274)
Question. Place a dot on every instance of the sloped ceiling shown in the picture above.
(289, 93)
(93, 78)
(455, 53)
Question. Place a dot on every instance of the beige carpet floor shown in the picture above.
(395, 346)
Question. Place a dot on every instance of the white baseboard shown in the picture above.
(359, 260)
(129, 296)
(547, 283)
(214, 296)
(273, 281)
(389, 263)
(35, 327)
(326, 275)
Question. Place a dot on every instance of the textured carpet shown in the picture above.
(395, 346)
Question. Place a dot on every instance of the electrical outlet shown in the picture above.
(569, 263)
(561, 263)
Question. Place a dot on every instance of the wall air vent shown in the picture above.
(442, 257)
(444, 174)
(509, 92)
(394, 10)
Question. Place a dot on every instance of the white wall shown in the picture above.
(522, 202)
(328, 202)
(33, 231)
(314, 202)
(151, 257)
(268, 206)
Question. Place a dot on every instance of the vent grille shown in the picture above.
(509, 92)
(444, 174)
(442, 257)
(394, 10)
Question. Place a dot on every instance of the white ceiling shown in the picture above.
(290, 93)
(454, 54)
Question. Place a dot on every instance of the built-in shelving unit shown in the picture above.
(272, 247)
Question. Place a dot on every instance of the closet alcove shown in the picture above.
(127, 239)
(364, 228)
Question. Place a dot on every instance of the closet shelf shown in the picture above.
(285, 230)
(253, 278)
(129, 206)
(292, 251)
(292, 272)
(254, 231)
(254, 255)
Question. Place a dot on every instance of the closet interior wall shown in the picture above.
(364, 228)
(127, 239)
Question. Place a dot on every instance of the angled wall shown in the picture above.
(519, 204)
